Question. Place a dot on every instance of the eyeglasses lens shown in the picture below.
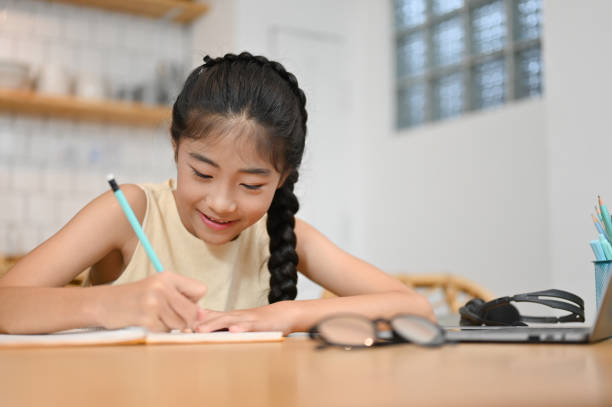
(417, 330)
(348, 331)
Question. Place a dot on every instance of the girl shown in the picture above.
(225, 229)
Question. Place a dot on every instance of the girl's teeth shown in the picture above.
(218, 221)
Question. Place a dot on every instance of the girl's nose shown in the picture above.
(221, 203)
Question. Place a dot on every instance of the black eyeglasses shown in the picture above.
(356, 331)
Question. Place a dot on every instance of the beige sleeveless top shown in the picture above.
(236, 273)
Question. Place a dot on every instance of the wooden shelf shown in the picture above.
(179, 11)
(67, 107)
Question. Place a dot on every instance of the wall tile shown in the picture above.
(68, 206)
(6, 46)
(3, 241)
(105, 32)
(50, 168)
(12, 208)
(6, 175)
(60, 182)
(77, 27)
(64, 55)
(41, 209)
(13, 141)
(26, 180)
(17, 20)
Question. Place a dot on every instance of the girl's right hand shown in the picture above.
(160, 303)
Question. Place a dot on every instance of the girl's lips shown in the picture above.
(214, 225)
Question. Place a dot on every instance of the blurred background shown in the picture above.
(461, 136)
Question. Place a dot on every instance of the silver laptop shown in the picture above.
(602, 329)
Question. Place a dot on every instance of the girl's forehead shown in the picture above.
(227, 150)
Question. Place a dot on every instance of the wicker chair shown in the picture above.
(447, 292)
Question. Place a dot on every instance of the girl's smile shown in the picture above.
(215, 224)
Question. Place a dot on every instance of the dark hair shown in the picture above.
(254, 89)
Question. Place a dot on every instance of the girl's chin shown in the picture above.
(217, 238)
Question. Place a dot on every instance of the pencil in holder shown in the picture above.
(602, 275)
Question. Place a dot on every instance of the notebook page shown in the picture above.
(133, 335)
(85, 336)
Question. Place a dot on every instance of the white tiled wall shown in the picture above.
(50, 168)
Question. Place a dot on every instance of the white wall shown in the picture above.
(578, 68)
(214, 32)
(467, 195)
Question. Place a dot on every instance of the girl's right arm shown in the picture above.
(34, 300)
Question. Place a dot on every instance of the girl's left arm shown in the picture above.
(361, 288)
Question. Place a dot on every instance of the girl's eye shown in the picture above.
(252, 187)
(199, 174)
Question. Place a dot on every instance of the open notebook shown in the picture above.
(133, 335)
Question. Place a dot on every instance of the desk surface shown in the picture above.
(295, 373)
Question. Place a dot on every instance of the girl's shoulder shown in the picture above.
(136, 197)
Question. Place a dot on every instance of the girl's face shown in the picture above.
(223, 186)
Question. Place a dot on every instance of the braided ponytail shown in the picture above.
(283, 257)
(264, 91)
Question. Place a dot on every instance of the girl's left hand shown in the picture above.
(274, 317)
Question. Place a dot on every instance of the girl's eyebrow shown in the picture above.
(203, 158)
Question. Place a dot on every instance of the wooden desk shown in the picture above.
(294, 373)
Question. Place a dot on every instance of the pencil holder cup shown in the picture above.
(602, 274)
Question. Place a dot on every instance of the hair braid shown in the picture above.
(283, 257)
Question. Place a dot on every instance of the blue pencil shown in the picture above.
(605, 216)
(598, 211)
(597, 250)
(598, 225)
(129, 213)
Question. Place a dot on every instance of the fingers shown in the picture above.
(171, 320)
(208, 320)
(234, 322)
(237, 329)
(157, 325)
(186, 310)
(213, 321)
(169, 301)
(189, 287)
